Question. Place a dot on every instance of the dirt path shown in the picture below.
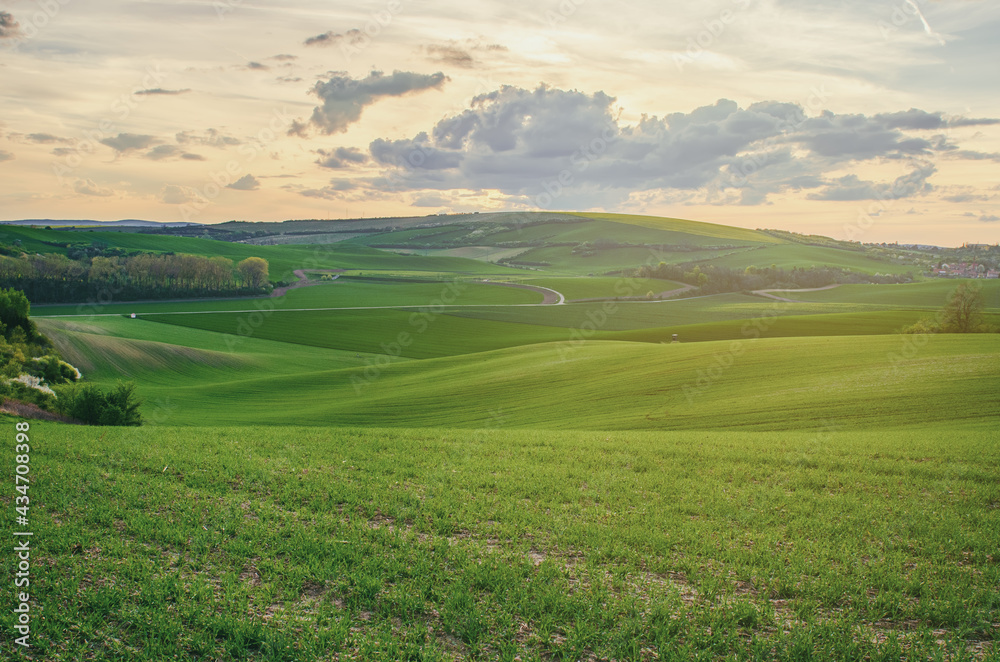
(303, 280)
(767, 293)
(552, 298)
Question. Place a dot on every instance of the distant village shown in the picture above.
(970, 269)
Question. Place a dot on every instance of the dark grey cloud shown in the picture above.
(283, 57)
(189, 156)
(342, 157)
(989, 218)
(9, 27)
(257, 66)
(160, 90)
(128, 142)
(546, 142)
(5, 156)
(344, 98)
(245, 183)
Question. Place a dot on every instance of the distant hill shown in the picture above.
(128, 222)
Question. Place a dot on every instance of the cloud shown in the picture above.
(211, 138)
(128, 142)
(989, 218)
(5, 156)
(334, 191)
(430, 200)
(245, 183)
(460, 54)
(284, 57)
(176, 195)
(853, 188)
(9, 27)
(972, 155)
(352, 37)
(160, 90)
(452, 55)
(161, 152)
(88, 187)
(342, 157)
(546, 143)
(45, 138)
(344, 98)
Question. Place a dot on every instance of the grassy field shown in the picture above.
(290, 543)
(346, 291)
(932, 293)
(788, 256)
(596, 288)
(283, 260)
(465, 475)
(601, 385)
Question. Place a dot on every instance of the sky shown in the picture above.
(866, 120)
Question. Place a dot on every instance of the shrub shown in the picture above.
(54, 371)
(90, 405)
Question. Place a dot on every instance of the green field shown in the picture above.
(604, 288)
(346, 291)
(282, 260)
(291, 543)
(409, 463)
(932, 293)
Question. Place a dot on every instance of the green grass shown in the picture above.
(561, 260)
(788, 325)
(429, 332)
(309, 544)
(566, 383)
(792, 481)
(788, 256)
(346, 291)
(932, 293)
(282, 260)
(597, 288)
(685, 227)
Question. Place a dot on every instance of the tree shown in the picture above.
(14, 310)
(253, 272)
(963, 313)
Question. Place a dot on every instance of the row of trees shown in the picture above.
(713, 279)
(53, 277)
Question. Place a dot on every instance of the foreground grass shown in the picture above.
(308, 544)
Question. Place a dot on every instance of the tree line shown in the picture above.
(56, 278)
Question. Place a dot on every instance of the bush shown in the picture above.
(55, 371)
(90, 405)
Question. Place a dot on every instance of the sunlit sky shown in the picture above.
(874, 120)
